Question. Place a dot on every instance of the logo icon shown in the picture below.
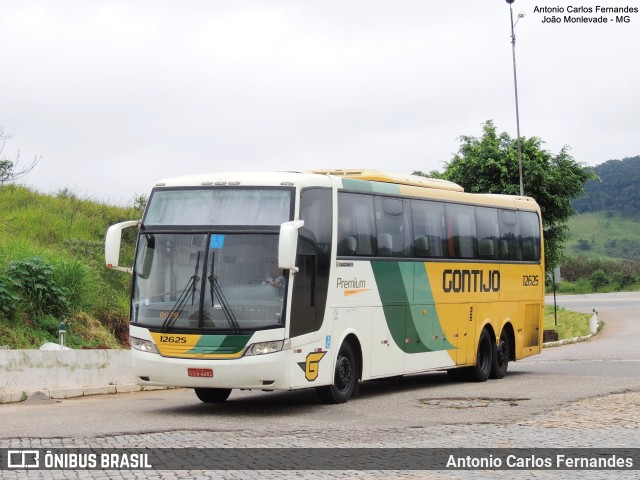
(312, 366)
(23, 459)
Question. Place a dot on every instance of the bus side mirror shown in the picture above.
(288, 245)
(112, 245)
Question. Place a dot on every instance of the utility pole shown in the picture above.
(515, 85)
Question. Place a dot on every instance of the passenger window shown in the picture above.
(392, 227)
(356, 227)
(509, 245)
(315, 208)
(461, 231)
(487, 230)
(429, 233)
(530, 236)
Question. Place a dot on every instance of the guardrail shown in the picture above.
(64, 373)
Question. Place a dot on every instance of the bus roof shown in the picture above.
(377, 176)
(411, 185)
(245, 178)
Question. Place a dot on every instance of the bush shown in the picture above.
(48, 324)
(72, 274)
(9, 297)
(40, 292)
(599, 279)
(577, 268)
(622, 280)
(584, 244)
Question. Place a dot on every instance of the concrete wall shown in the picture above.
(64, 373)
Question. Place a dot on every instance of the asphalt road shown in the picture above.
(538, 386)
(613, 352)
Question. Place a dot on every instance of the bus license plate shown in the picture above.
(200, 372)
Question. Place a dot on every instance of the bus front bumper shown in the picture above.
(265, 372)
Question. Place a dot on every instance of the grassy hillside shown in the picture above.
(603, 235)
(52, 270)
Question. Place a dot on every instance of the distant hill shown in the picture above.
(604, 234)
(617, 189)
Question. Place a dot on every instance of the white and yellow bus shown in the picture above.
(284, 280)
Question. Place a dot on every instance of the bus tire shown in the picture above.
(212, 395)
(345, 377)
(484, 359)
(500, 361)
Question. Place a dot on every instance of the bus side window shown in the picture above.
(393, 227)
(461, 231)
(421, 246)
(530, 235)
(509, 245)
(487, 231)
(356, 229)
(347, 246)
(315, 210)
(430, 237)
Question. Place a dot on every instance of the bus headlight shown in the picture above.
(266, 347)
(143, 345)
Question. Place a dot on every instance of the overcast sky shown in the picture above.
(115, 95)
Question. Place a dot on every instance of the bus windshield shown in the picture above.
(219, 206)
(212, 281)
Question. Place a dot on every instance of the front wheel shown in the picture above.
(212, 395)
(500, 361)
(345, 378)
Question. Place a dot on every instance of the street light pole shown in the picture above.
(515, 85)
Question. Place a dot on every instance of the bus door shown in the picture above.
(303, 298)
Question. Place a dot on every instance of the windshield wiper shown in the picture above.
(216, 291)
(177, 308)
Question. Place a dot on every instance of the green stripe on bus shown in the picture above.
(393, 294)
(220, 344)
(405, 293)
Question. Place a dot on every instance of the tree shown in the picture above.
(10, 170)
(140, 202)
(489, 164)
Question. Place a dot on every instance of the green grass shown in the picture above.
(66, 234)
(583, 286)
(570, 324)
(579, 287)
(604, 235)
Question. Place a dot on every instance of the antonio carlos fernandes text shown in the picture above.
(560, 461)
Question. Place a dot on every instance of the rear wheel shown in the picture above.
(484, 359)
(500, 356)
(345, 378)
(212, 395)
